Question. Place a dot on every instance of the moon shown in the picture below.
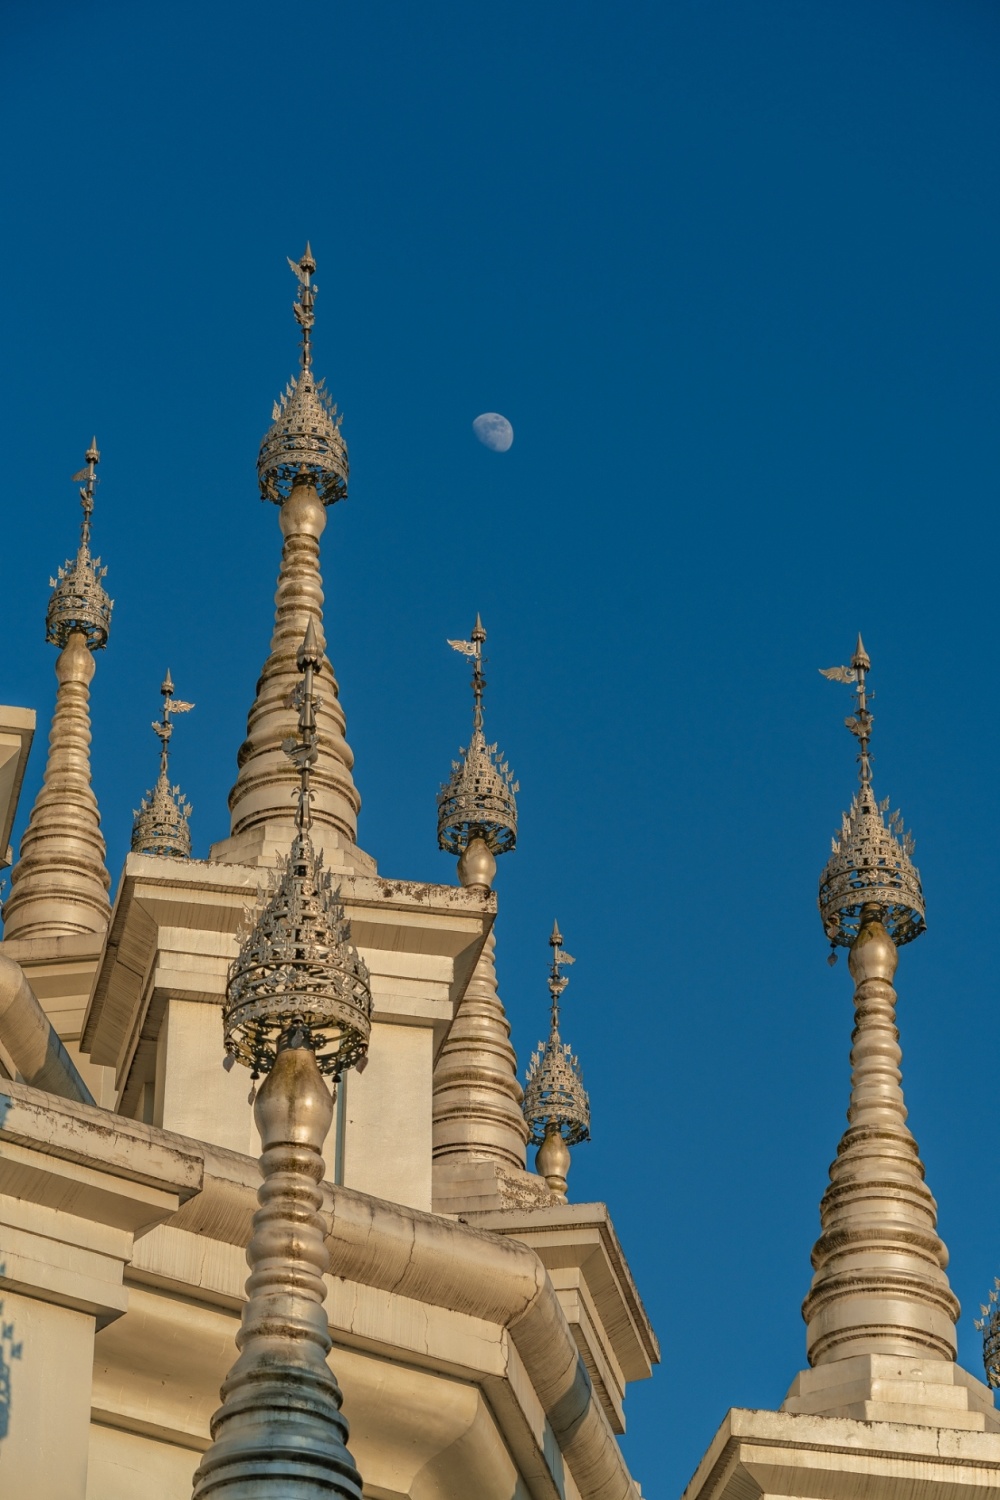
(493, 431)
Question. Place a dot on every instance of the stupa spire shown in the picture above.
(162, 823)
(556, 1105)
(477, 1096)
(302, 468)
(880, 1286)
(298, 1006)
(60, 883)
(477, 811)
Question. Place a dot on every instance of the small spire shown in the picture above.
(161, 823)
(297, 972)
(304, 446)
(478, 803)
(556, 1106)
(59, 885)
(870, 863)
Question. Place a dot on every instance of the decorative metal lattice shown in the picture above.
(79, 604)
(870, 864)
(297, 969)
(989, 1326)
(161, 821)
(554, 1096)
(478, 800)
(305, 443)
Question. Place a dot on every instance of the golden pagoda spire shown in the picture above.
(162, 819)
(556, 1105)
(60, 883)
(298, 1007)
(880, 1286)
(477, 1097)
(302, 468)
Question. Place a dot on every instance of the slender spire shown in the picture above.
(298, 1005)
(162, 819)
(556, 1105)
(477, 1096)
(60, 883)
(302, 468)
(477, 811)
(880, 1285)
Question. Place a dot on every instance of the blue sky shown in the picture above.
(730, 271)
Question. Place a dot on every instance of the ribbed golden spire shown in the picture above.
(302, 468)
(880, 1285)
(60, 883)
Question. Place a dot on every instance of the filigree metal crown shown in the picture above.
(79, 603)
(870, 865)
(297, 968)
(478, 800)
(989, 1327)
(161, 821)
(305, 443)
(554, 1096)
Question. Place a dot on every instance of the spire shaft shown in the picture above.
(880, 1285)
(263, 800)
(60, 883)
(477, 1098)
(280, 1428)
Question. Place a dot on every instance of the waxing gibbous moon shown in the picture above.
(493, 431)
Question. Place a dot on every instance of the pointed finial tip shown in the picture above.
(167, 685)
(93, 455)
(478, 631)
(309, 652)
(556, 938)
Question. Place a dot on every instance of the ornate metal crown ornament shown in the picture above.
(478, 800)
(79, 603)
(555, 1100)
(870, 865)
(989, 1326)
(297, 969)
(161, 821)
(305, 442)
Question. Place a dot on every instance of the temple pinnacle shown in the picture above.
(477, 811)
(304, 446)
(161, 824)
(60, 883)
(870, 865)
(556, 1106)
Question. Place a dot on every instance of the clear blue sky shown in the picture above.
(731, 271)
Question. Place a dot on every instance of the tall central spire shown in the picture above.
(880, 1299)
(302, 468)
(59, 886)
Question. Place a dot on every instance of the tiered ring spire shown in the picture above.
(880, 1286)
(59, 885)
